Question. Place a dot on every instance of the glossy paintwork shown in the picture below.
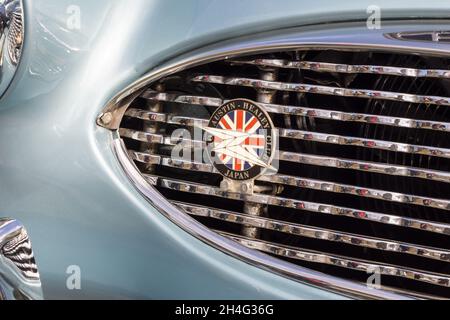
(59, 176)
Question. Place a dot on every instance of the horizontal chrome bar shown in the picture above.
(326, 90)
(307, 112)
(378, 194)
(371, 167)
(363, 142)
(168, 118)
(180, 98)
(158, 138)
(146, 115)
(422, 36)
(347, 68)
(306, 135)
(316, 233)
(144, 157)
(141, 136)
(340, 261)
(329, 209)
(302, 182)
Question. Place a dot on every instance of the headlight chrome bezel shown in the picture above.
(12, 35)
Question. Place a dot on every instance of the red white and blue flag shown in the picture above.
(246, 122)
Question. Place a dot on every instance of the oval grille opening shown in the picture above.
(364, 163)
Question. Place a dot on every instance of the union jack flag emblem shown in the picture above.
(253, 142)
(241, 140)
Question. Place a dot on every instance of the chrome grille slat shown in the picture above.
(362, 142)
(190, 187)
(144, 157)
(302, 182)
(141, 136)
(373, 167)
(339, 261)
(357, 191)
(146, 115)
(181, 98)
(307, 112)
(187, 165)
(316, 233)
(305, 135)
(347, 68)
(165, 118)
(158, 138)
(319, 89)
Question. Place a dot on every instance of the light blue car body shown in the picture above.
(60, 177)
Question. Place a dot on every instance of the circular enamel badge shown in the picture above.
(240, 140)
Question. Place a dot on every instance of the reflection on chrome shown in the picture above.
(318, 113)
(325, 90)
(347, 68)
(11, 40)
(19, 276)
(11, 29)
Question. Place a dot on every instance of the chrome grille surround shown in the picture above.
(114, 112)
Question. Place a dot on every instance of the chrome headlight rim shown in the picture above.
(12, 34)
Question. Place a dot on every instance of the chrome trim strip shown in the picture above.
(328, 186)
(347, 68)
(423, 36)
(144, 157)
(141, 136)
(158, 138)
(146, 115)
(299, 135)
(318, 89)
(168, 118)
(180, 164)
(340, 261)
(373, 167)
(329, 209)
(184, 99)
(230, 247)
(307, 112)
(316, 232)
(378, 194)
(363, 142)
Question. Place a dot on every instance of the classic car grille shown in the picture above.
(364, 162)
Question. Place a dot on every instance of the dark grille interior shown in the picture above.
(338, 212)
